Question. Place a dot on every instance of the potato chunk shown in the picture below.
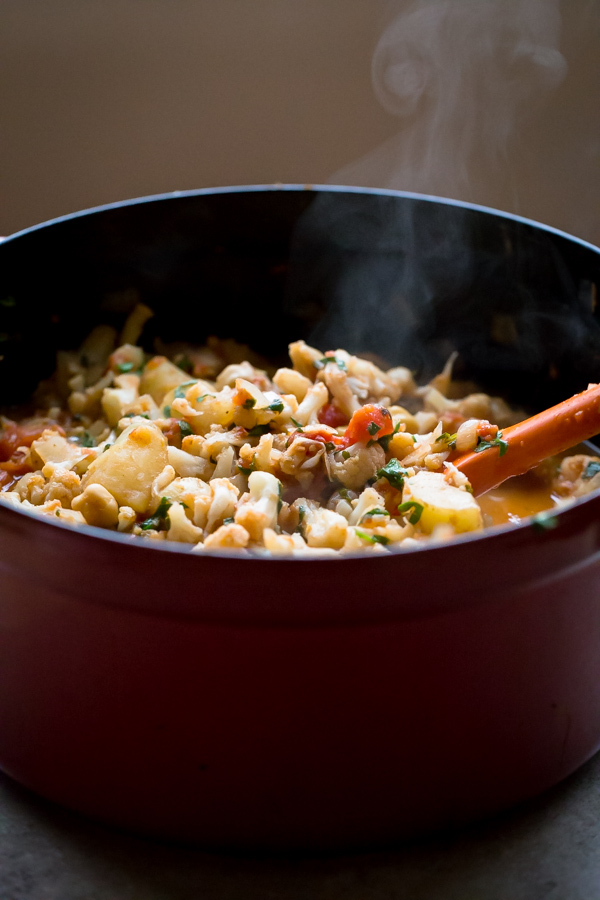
(128, 468)
(443, 504)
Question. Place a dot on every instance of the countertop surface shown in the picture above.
(547, 849)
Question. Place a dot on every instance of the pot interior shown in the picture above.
(407, 278)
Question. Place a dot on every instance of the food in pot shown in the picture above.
(328, 456)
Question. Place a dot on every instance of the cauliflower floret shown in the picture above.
(368, 500)
(304, 358)
(127, 518)
(340, 388)
(224, 499)
(356, 465)
(258, 509)
(245, 370)
(180, 528)
(98, 506)
(288, 381)
(316, 398)
(227, 537)
(63, 485)
(324, 528)
(31, 487)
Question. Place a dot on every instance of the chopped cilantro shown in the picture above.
(203, 397)
(276, 406)
(106, 447)
(592, 468)
(385, 440)
(329, 446)
(394, 473)
(321, 363)
(301, 515)
(280, 493)
(297, 424)
(184, 428)
(417, 509)
(167, 412)
(544, 521)
(258, 430)
(229, 520)
(376, 511)
(158, 519)
(86, 440)
(249, 403)
(125, 367)
(345, 454)
(495, 442)
(372, 538)
(343, 492)
(446, 438)
(246, 470)
(373, 428)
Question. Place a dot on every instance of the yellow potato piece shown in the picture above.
(442, 503)
(128, 468)
(160, 376)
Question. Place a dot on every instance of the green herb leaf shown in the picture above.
(329, 446)
(276, 406)
(372, 538)
(301, 515)
(229, 520)
(125, 367)
(345, 454)
(167, 412)
(394, 473)
(321, 363)
(86, 440)
(184, 428)
(247, 470)
(495, 442)
(297, 424)
(106, 447)
(373, 428)
(343, 492)
(249, 403)
(446, 438)
(592, 468)
(203, 397)
(417, 509)
(376, 511)
(258, 430)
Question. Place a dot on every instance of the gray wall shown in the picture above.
(100, 101)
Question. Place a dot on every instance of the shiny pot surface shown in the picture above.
(289, 702)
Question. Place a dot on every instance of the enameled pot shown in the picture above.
(292, 703)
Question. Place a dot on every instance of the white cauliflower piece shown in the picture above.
(53, 450)
(223, 502)
(288, 381)
(31, 487)
(227, 537)
(324, 528)
(356, 465)
(63, 485)
(315, 399)
(304, 358)
(258, 509)
(368, 500)
(180, 528)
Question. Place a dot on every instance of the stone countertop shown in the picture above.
(547, 849)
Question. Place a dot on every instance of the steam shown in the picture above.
(460, 75)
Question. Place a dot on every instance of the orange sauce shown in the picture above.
(516, 499)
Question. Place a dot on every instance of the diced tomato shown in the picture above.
(486, 431)
(13, 435)
(172, 432)
(369, 423)
(332, 415)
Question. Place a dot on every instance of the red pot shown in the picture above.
(287, 702)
